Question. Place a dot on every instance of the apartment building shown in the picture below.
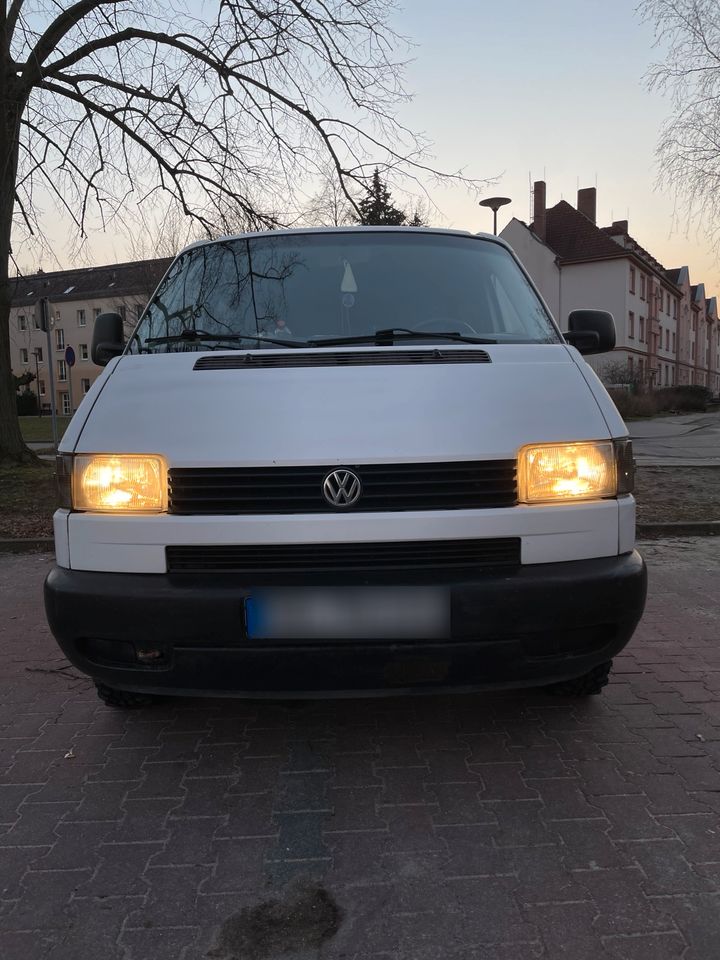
(76, 298)
(667, 328)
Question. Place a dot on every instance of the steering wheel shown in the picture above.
(446, 325)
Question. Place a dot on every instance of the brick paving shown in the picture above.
(487, 827)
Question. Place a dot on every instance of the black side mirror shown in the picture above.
(591, 331)
(107, 341)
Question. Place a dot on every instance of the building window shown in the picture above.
(674, 342)
(22, 322)
(667, 375)
(667, 304)
(667, 339)
(81, 318)
(631, 325)
(41, 387)
(640, 368)
(83, 351)
(23, 355)
(642, 286)
(96, 312)
(38, 354)
(59, 338)
(62, 371)
(632, 279)
(65, 400)
(692, 351)
(659, 340)
(630, 364)
(675, 309)
(36, 322)
(85, 384)
(642, 329)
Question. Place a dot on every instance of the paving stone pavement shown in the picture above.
(502, 826)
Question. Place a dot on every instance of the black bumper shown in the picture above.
(534, 625)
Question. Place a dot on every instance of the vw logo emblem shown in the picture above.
(342, 488)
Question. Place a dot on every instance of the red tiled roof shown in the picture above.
(633, 246)
(573, 237)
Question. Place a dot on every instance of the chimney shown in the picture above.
(587, 203)
(539, 218)
(619, 226)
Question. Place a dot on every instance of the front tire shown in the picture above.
(588, 685)
(123, 699)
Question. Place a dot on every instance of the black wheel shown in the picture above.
(123, 699)
(587, 685)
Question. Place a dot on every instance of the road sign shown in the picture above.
(69, 356)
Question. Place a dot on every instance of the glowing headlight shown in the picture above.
(119, 484)
(552, 472)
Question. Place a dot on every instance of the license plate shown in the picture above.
(356, 613)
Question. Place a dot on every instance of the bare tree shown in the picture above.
(106, 103)
(329, 206)
(619, 373)
(688, 32)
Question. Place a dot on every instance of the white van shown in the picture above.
(340, 462)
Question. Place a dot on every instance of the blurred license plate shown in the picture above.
(405, 613)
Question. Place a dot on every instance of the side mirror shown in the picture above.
(107, 341)
(591, 331)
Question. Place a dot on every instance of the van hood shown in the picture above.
(339, 414)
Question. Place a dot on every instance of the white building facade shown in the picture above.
(76, 298)
(667, 329)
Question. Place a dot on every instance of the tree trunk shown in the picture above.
(12, 446)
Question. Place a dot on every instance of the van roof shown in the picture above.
(355, 228)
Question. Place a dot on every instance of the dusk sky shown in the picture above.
(553, 89)
(526, 89)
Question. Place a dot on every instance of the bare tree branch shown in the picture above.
(689, 72)
(229, 117)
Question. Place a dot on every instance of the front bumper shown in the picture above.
(534, 625)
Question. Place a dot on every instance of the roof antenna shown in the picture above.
(530, 197)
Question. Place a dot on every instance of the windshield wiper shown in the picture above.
(199, 336)
(388, 337)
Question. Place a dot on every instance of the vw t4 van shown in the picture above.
(361, 460)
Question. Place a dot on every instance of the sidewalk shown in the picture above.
(690, 440)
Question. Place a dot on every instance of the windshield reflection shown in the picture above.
(327, 285)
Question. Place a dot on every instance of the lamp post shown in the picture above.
(495, 203)
(36, 352)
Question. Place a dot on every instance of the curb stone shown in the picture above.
(689, 528)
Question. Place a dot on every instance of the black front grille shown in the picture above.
(467, 485)
(331, 557)
(338, 358)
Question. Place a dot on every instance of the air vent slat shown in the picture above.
(320, 357)
(422, 554)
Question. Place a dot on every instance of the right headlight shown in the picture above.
(569, 472)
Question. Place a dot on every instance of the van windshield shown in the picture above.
(315, 286)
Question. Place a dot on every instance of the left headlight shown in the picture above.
(107, 483)
(555, 472)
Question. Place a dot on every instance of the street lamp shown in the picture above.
(495, 203)
(36, 353)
